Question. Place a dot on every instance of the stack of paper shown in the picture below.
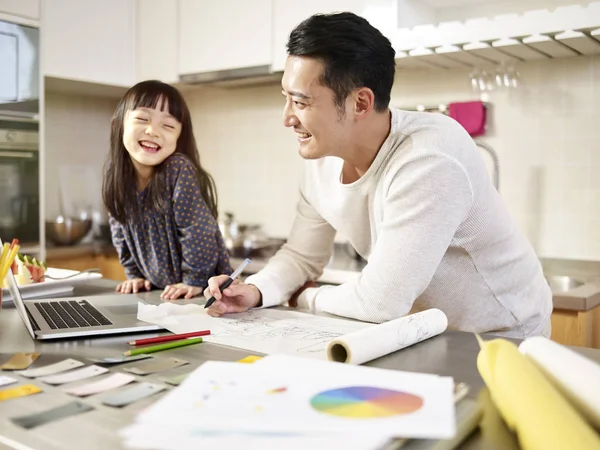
(293, 402)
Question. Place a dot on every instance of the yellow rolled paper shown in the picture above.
(540, 416)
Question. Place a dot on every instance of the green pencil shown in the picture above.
(160, 347)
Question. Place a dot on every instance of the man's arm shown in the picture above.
(125, 257)
(302, 258)
(427, 199)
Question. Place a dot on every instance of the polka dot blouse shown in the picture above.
(182, 245)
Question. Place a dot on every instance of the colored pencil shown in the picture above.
(161, 347)
(170, 337)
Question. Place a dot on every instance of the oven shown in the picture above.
(19, 179)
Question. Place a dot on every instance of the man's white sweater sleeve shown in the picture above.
(302, 258)
(426, 200)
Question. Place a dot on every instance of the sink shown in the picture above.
(561, 283)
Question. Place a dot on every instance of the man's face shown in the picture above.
(322, 127)
(150, 135)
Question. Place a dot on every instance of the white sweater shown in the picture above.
(433, 229)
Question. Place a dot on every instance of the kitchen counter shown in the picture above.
(452, 353)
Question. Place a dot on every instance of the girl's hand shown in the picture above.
(174, 291)
(133, 286)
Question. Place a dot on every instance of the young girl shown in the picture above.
(162, 204)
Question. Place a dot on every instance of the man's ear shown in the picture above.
(364, 102)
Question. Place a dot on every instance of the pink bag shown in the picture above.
(471, 115)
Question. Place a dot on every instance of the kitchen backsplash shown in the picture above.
(77, 140)
(544, 133)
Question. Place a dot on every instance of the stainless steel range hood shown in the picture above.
(245, 76)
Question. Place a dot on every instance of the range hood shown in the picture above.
(245, 76)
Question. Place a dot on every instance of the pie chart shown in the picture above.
(364, 402)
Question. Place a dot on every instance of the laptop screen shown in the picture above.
(18, 300)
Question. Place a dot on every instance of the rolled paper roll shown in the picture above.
(379, 340)
(531, 406)
(575, 376)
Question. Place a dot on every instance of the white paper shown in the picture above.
(146, 437)
(379, 340)
(111, 382)
(233, 397)
(259, 330)
(576, 376)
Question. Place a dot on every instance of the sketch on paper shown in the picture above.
(309, 337)
(262, 330)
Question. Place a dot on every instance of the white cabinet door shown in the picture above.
(157, 40)
(95, 43)
(224, 35)
(286, 15)
(22, 8)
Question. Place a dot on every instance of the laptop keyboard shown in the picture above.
(71, 314)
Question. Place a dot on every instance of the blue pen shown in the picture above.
(232, 277)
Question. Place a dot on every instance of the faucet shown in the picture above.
(495, 160)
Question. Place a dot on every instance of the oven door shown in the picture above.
(19, 192)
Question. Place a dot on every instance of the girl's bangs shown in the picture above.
(154, 96)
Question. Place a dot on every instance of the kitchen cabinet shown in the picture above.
(224, 35)
(157, 40)
(29, 9)
(109, 265)
(94, 44)
(286, 15)
(578, 328)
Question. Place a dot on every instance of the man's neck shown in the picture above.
(366, 147)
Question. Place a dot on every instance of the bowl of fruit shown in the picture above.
(28, 270)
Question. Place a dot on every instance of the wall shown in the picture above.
(77, 142)
(544, 133)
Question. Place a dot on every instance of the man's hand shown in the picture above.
(174, 291)
(133, 286)
(238, 297)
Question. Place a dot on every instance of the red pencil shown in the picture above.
(171, 337)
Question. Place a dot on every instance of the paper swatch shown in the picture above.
(19, 391)
(119, 359)
(5, 381)
(34, 420)
(133, 394)
(74, 375)
(374, 342)
(58, 367)
(577, 377)
(20, 361)
(156, 366)
(112, 382)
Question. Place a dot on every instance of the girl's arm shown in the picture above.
(199, 236)
(120, 244)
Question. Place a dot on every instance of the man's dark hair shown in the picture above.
(354, 54)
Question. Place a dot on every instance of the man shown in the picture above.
(409, 190)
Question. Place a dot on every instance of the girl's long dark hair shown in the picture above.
(119, 185)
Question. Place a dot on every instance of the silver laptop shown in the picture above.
(69, 317)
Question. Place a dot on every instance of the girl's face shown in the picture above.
(150, 135)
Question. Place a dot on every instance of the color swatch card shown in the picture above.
(133, 394)
(50, 415)
(74, 375)
(157, 365)
(58, 367)
(5, 381)
(19, 391)
(20, 361)
(119, 359)
(335, 398)
(112, 382)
